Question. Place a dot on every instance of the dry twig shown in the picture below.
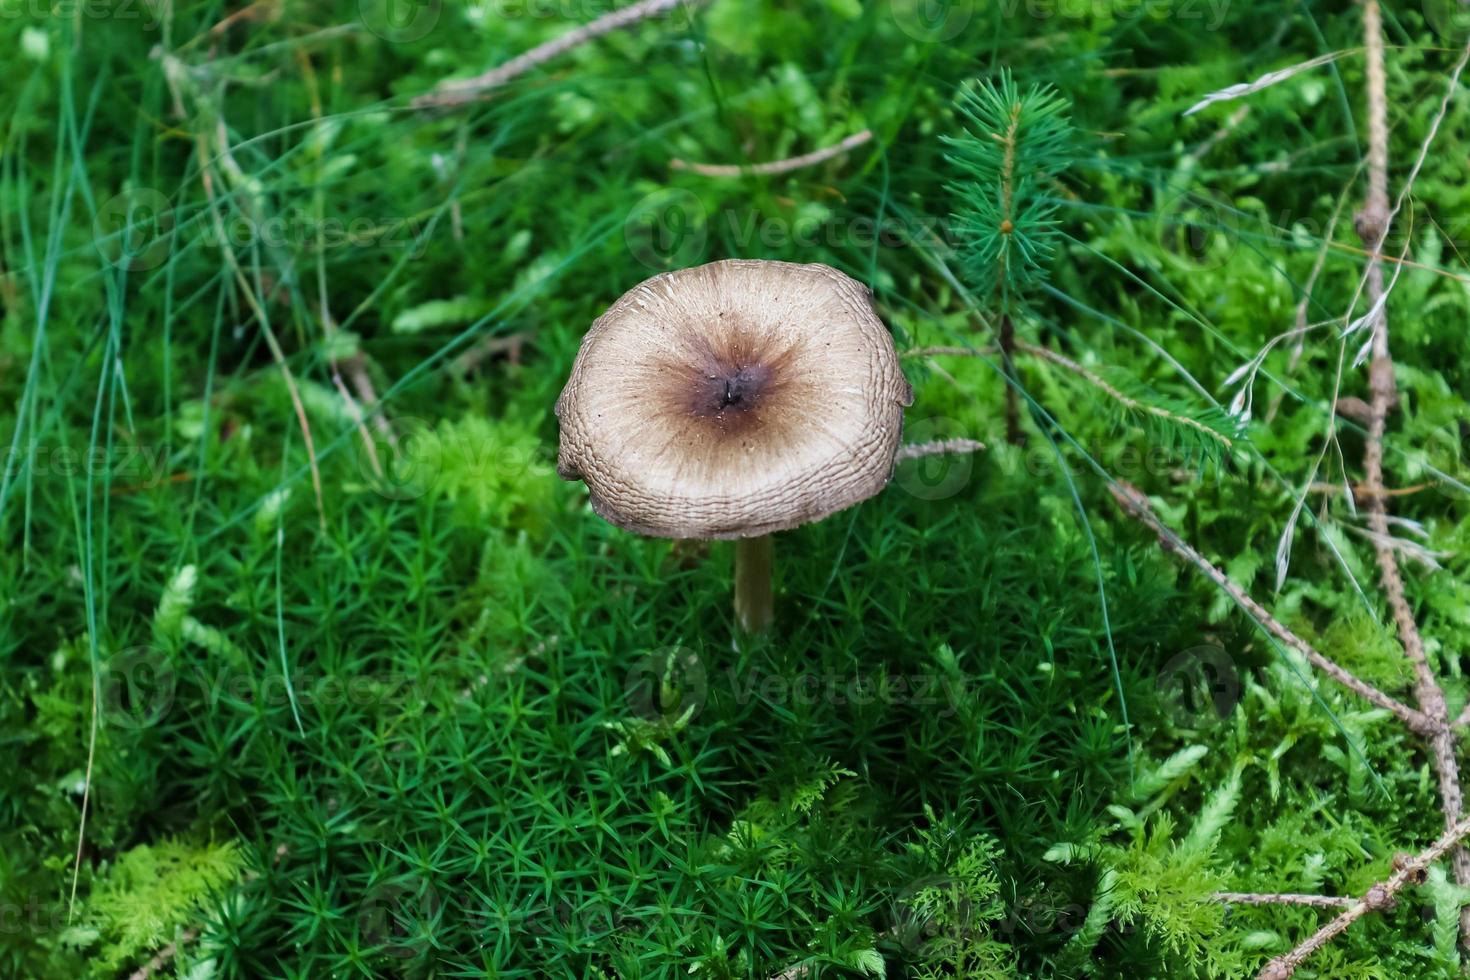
(775, 166)
(1136, 505)
(456, 93)
(915, 450)
(1372, 225)
(164, 955)
(1285, 898)
(955, 351)
(1380, 896)
(510, 345)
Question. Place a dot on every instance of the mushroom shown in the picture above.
(730, 401)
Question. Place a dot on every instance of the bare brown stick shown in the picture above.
(456, 93)
(775, 166)
(915, 450)
(1256, 898)
(509, 345)
(1136, 505)
(794, 972)
(1452, 86)
(1372, 225)
(357, 420)
(1378, 897)
(1361, 492)
(954, 351)
(356, 367)
(263, 10)
(164, 955)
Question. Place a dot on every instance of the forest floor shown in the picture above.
(311, 666)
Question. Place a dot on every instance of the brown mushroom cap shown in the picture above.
(733, 399)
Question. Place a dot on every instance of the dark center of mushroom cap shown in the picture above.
(728, 378)
(731, 388)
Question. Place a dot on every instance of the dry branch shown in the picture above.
(1380, 896)
(164, 955)
(455, 93)
(1136, 505)
(775, 166)
(1284, 898)
(915, 450)
(953, 351)
(1372, 225)
(510, 345)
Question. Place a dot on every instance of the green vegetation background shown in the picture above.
(452, 724)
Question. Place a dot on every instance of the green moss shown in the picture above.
(452, 723)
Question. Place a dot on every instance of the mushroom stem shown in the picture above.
(753, 609)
